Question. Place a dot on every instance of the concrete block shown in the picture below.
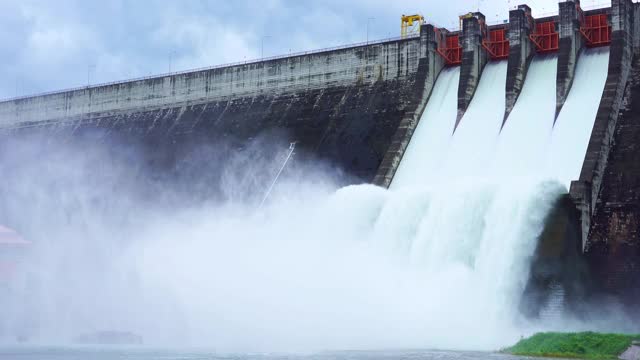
(521, 52)
(570, 44)
(474, 58)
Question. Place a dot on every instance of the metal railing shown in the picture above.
(497, 22)
(596, 6)
(220, 66)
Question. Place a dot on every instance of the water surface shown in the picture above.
(110, 353)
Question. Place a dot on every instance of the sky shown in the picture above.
(52, 45)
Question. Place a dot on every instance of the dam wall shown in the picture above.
(358, 65)
(341, 106)
(607, 192)
(608, 188)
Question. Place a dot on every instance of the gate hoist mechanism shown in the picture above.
(410, 25)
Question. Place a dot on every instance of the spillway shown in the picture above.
(525, 137)
(424, 156)
(474, 141)
(572, 130)
(459, 195)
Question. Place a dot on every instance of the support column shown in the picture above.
(429, 66)
(474, 58)
(570, 45)
(521, 52)
(601, 140)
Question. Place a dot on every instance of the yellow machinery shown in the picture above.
(465, 16)
(410, 25)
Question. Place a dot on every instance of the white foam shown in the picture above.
(572, 130)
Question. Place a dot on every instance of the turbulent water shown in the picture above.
(572, 130)
(438, 261)
(45, 353)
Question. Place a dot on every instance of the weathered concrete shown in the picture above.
(608, 192)
(570, 44)
(586, 190)
(363, 65)
(557, 260)
(428, 69)
(521, 52)
(342, 107)
(474, 58)
(613, 246)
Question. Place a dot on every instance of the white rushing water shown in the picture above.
(424, 156)
(524, 139)
(438, 261)
(474, 142)
(375, 269)
(573, 127)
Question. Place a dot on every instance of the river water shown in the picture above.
(97, 353)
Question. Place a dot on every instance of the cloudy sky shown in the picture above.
(49, 45)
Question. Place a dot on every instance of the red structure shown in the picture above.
(596, 30)
(497, 44)
(451, 51)
(545, 37)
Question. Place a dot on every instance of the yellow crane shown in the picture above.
(410, 25)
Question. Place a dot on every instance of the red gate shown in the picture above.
(451, 51)
(596, 30)
(546, 38)
(497, 45)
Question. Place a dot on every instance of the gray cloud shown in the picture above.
(49, 45)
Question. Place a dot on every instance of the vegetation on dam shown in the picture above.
(583, 345)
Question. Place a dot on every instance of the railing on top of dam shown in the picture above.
(586, 7)
(246, 62)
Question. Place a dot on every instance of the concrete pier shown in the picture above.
(570, 44)
(474, 58)
(428, 69)
(607, 192)
(521, 52)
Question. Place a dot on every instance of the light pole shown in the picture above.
(262, 46)
(368, 21)
(171, 53)
(89, 68)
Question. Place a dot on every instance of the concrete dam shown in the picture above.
(520, 140)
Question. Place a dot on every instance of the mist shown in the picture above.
(319, 266)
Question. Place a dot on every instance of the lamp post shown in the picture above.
(171, 53)
(368, 21)
(262, 45)
(89, 68)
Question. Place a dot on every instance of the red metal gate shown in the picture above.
(451, 51)
(545, 37)
(596, 30)
(497, 44)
